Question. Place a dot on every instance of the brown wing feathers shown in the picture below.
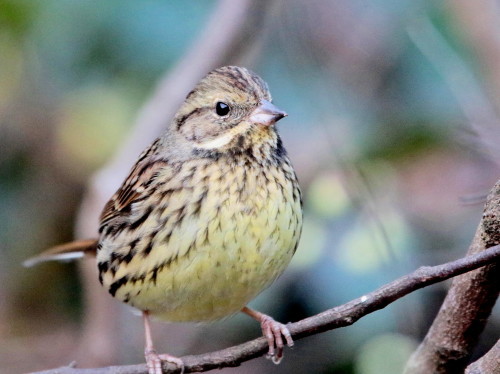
(134, 189)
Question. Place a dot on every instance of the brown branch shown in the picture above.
(343, 315)
(455, 331)
(488, 364)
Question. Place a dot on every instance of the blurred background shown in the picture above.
(393, 122)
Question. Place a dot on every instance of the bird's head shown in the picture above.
(229, 110)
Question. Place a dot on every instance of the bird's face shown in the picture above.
(229, 109)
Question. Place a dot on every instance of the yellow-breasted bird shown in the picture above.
(209, 216)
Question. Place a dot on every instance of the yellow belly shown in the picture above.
(216, 261)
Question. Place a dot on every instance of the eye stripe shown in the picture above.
(184, 118)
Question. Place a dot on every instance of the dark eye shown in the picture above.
(222, 108)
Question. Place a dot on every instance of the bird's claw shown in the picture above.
(154, 361)
(274, 332)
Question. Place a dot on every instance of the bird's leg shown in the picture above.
(272, 331)
(153, 359)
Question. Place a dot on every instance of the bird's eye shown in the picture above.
(222, 108)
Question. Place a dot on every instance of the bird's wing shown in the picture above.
(136, 187)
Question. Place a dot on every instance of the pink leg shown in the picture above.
(273, 332)
(154, 360)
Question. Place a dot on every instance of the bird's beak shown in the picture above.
(266, 114)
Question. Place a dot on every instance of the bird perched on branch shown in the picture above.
(209, 216)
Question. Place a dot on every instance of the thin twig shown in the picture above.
(343, 315)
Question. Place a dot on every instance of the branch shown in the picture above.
(489, 363)
(455, 331)
(343, 315)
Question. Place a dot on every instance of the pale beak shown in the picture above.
(266, 114)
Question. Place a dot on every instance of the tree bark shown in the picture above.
(488, 364)
(450, 341)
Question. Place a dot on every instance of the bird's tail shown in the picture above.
(65, 252)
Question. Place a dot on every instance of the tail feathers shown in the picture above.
(65, 252)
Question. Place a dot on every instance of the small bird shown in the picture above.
(209, 216)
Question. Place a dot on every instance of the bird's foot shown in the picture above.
(274, 332)
(154, 361)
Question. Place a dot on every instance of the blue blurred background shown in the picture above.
(391, 106)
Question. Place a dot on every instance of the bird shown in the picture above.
(209, 216)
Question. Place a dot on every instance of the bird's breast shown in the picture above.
(218, 235)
